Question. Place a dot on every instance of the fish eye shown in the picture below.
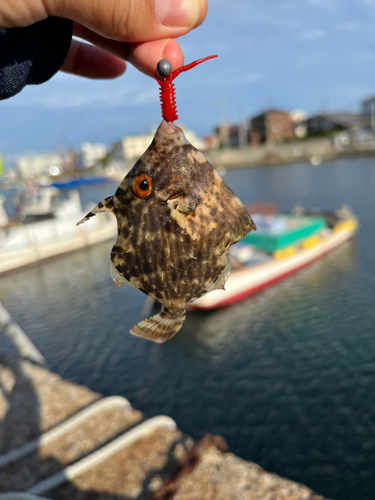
(142, 186)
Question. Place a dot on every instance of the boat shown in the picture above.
(80, 181)
(45, 227)
(281, 246)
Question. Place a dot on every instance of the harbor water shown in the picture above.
(287, 376)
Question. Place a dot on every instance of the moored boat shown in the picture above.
(46, 228)
(282, 245)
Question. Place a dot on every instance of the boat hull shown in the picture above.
(30, 244)
(245, 282)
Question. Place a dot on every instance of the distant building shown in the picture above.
(38, 165)
(299, 118)
(222, 133)
(368, 113)
(91, 154)
(368, 106)
(326, 122)
(211, 141)
(271, 126)
(130, 148)
(239, 135)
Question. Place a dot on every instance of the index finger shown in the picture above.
(144, 56)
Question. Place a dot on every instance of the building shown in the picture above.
(92, 154)
(239, 135)
(368, 113)
(132, 147)
(299, 118)
(368, 106)
(330, 122)
(38, 165)
(271, 126)
(222, 133)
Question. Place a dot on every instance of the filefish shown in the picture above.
(176, 220)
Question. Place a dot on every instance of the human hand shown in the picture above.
(139, 31)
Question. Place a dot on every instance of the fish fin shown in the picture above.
(220, 282)
(104, 206)
(243, 225)
(161, 327)
(117, 277)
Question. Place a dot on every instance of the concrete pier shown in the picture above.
(84, 448)
(314, 150)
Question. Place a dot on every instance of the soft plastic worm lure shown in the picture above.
(167, 91)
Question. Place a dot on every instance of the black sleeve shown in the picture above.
(32, 55)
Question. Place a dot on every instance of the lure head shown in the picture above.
(163, 68)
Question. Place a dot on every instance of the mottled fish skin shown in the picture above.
(173, 245)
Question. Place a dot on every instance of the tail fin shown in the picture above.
(162, 326)
(104, 206)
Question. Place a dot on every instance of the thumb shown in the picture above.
(132, 20)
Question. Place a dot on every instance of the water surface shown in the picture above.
(287, 376)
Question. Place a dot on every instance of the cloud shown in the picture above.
(329, 5)
(349, 26)
(219, 46)
(246, 79)
(256, 19)
(149, 96)
(67, 94)
(312, 35)
(216, 46)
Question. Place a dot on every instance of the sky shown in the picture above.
(312, 55)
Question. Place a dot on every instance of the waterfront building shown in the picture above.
(92, 154)
(38, 165)
(299, 118)
(368, 113)
(273, 125)
(132, 147)
(330, 122)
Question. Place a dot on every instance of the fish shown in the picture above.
(176, 220)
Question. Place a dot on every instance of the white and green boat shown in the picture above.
(282, 245)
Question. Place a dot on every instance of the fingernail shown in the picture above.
(177, 13)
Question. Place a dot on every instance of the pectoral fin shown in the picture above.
(161, 327)
(117, 277)
(220, 282)
(104, 206)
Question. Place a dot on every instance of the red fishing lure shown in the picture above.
(167, 91)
